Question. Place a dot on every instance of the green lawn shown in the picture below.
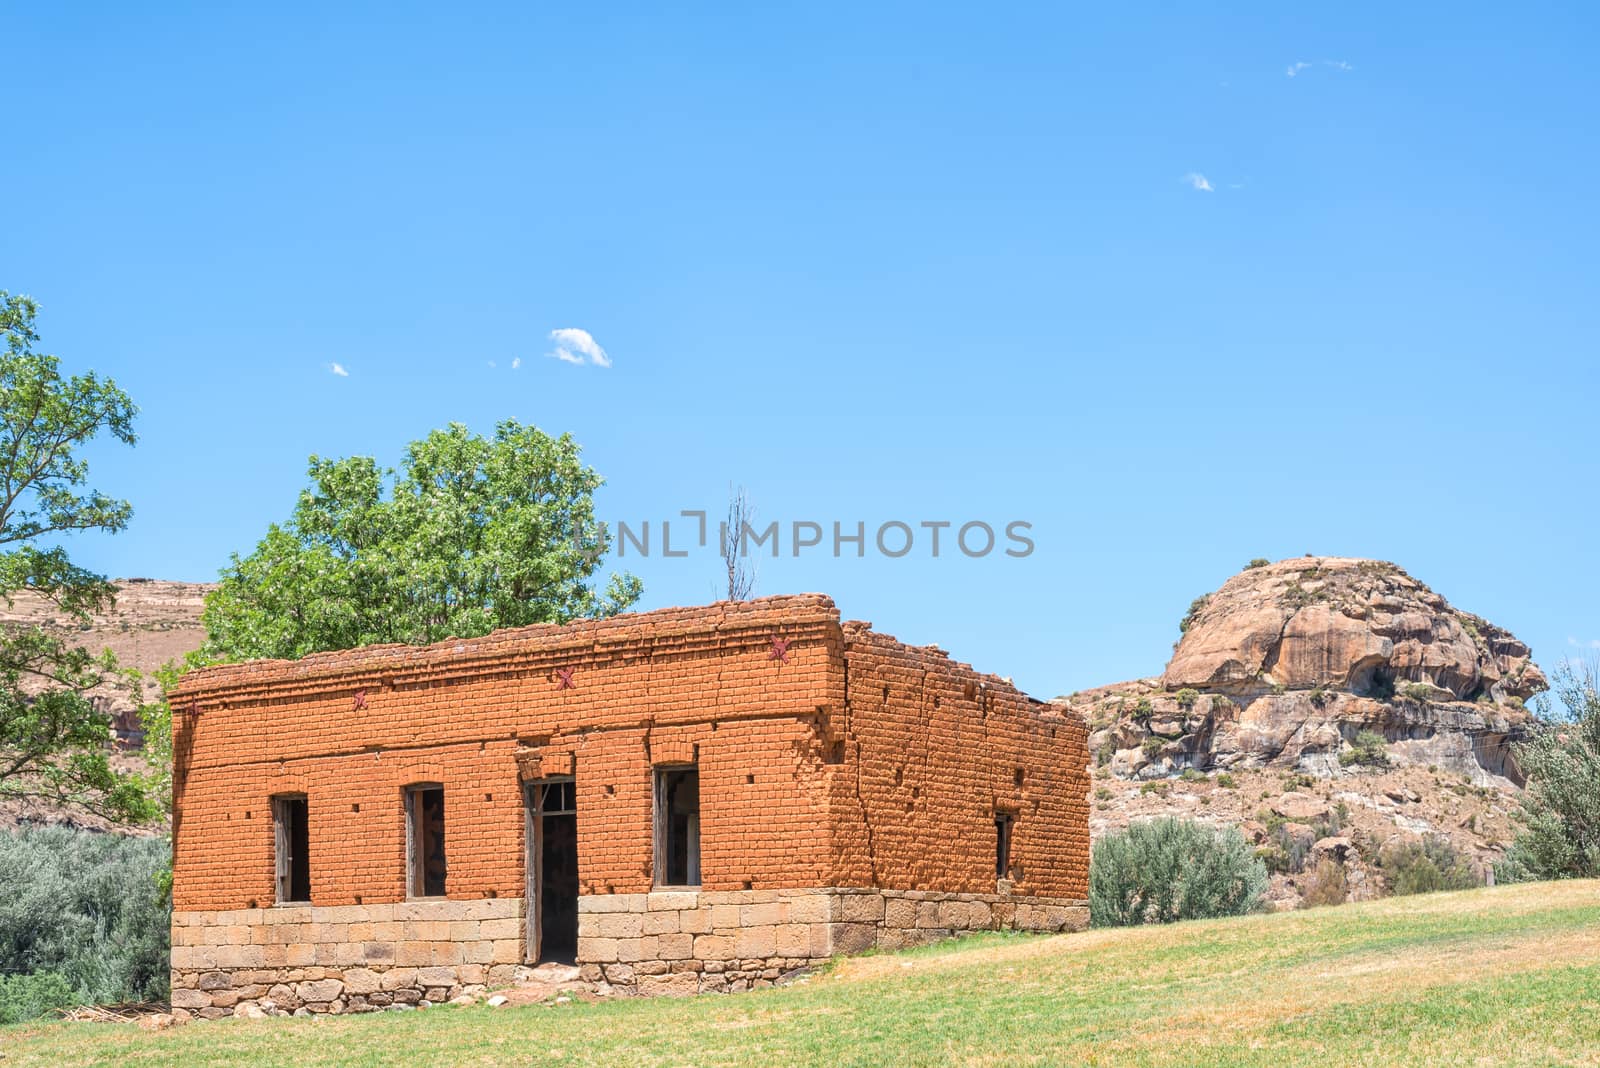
(1495, 977)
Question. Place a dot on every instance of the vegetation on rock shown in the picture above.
(1425, 866)
(1369, 749)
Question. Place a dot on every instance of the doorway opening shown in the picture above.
(552, 864)
(677, 826)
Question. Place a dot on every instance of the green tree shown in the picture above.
(54, 741)
(1560, 835)
(470, 534)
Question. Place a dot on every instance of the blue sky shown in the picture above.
(1176, 285)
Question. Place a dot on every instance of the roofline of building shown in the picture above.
(541, 645)
(754, 624)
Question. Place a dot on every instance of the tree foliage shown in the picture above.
(470, 534)
(1168, 869)
(1560, 835)
(54, 740)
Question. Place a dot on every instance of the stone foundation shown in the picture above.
(361, 958)
(343, 958)
(687, 942)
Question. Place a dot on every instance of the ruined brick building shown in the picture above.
(682, 800)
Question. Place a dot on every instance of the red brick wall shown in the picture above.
(645, 689)
(352, 729)
(934, 749)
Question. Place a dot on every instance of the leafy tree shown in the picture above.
(1168, 869)
(54, 741)
(471, 534)
(1560, 836)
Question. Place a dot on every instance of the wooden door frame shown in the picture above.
(533, 863)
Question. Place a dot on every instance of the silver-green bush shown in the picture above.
(87, 909)
(1168, 869)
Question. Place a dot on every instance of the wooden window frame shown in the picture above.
(1005, 832)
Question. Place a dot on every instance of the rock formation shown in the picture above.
(1291, 664)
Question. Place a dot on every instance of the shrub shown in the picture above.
(1152, 748)
(1560, 815)
(1186, 698)
(1327, 886)
(1143, 710)
(1196, 606)
(1320, 695)
(1227, 781)
(1369, 748)
(1193, 775)
(1259, 561)
(1160, 789)
(1168, 869)
(27, 997)
(1419, 692)
(87, 909)
(1103, 794)
(1425, 866)
(1283, 853)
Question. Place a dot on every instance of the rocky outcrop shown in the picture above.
(1301, 663)
(1362, 626)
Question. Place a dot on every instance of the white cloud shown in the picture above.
(491, 365)
(516, 362)
(1593, 643)
(338, 369)
(1331, 64)
(578, 347)
(1199, 182)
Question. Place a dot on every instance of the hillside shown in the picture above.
(1506, 976)
(154, 621)
(1328, 706)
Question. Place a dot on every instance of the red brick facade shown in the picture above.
(828, 756)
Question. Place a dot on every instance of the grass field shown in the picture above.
(1508, 976)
